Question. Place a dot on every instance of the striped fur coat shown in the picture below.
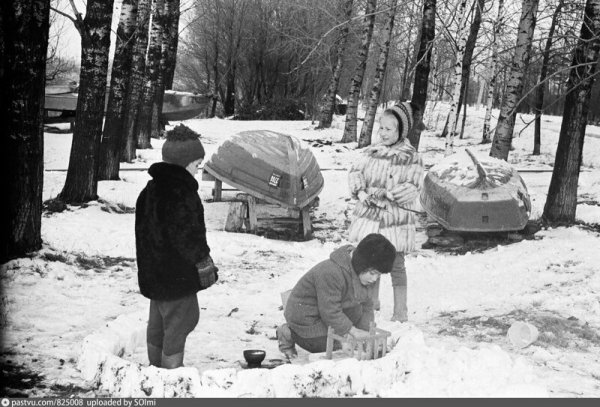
(392, 176)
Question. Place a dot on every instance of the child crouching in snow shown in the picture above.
(173, 256)
(338, 292)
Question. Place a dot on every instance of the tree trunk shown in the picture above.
(172, 40)
(367, 127)
(467, 58)
(356, 83)
(329, 103)
(539, 94)
(422, 69)
(506, 120)
(151, 77)
(561, 203)
(460, 51)
(135, 90)
(492, 77)
(81, 184)
(464, 117)
(24, 29)
(158, 122)
(113, 136)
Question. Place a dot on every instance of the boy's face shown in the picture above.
(192, 167)
(369, 276)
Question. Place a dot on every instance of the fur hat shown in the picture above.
(403, 112)
(182, 146)
(374, 251)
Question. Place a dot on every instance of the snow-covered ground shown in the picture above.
(75, 305)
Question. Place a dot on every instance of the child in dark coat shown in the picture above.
(338, 293)
(173, 256)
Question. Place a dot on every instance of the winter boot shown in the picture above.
(154, 354)
(172, 361)
(400, 307)
(286, 343)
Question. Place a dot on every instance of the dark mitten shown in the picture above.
(207, 272)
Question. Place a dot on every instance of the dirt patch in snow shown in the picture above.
(554, 330)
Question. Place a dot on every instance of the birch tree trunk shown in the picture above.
(113, 136)
(492, 77)
(81, 184)
(172, 40)
(466, 60)
(460, 51)
(136, 84)
(329, 104)
(506, 120)
(356, 83)
(422, 69)
(151, 76)
(157, 121)
(367, 127)
(23, 45)
(561, 203)
(539, 94)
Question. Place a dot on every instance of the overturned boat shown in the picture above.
(464, 193)
(62, 100)
(272, 166)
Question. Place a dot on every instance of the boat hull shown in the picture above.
(501, 205)
(176, 105)
(272, 166)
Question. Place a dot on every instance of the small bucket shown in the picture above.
(522, 334)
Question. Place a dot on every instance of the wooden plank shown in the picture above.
(238, 212)
(253, 222)
(218, 190)
(329, 347)
(306, 222)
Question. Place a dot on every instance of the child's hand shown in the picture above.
(207, 272)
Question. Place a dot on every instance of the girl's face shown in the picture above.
(388, 129)
(369, 276)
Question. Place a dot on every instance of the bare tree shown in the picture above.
(171, 39)
(460, 51)
(419, 98)
(81, 184)
(113, 136)
(153, 58)
(23, 44)
(467, 59)
(373, 101)
(506, 122)
(492, 76)
(561, 203)
(539, 96)
(356, 84)
(136, 81)
(329, 103)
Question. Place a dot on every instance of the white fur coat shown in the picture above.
(392, 176)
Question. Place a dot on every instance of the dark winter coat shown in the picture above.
(170, 234)
(330, 294)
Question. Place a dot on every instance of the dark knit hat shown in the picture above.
(182, 146)
(403, 112)
(374, 251)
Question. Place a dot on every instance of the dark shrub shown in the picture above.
(284, 109)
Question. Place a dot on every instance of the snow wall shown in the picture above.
(410, 369)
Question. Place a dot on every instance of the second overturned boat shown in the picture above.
(176, 105)
(272, 166)
(476, 196)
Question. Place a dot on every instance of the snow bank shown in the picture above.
(411, 369)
